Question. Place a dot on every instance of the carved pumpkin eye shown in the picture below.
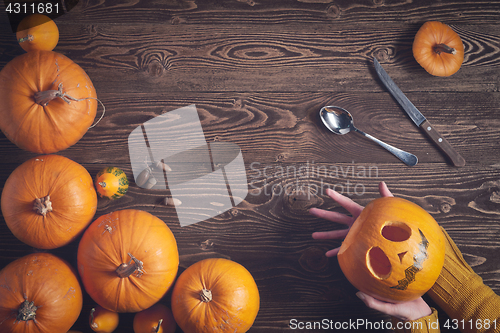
(377, 261)
(396, 231)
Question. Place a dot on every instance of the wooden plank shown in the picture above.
(270, 12)
(274, 213)
(272, 127)
(283, 58)
(271, 58)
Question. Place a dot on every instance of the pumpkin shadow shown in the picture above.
(399, 54)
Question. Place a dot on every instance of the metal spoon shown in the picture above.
(339, 121)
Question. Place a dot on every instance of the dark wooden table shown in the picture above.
(258, 73)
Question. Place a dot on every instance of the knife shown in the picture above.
(417, 117)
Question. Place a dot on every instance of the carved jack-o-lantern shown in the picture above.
(394, 250)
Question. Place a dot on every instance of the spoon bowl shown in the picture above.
(337, 120)
(340, 121)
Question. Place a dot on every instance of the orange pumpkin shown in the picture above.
(215, 295)
(438, 49)
(111, 183)
(48, 102)
(127, 260)
(394, 250)
(156, 319)
(37, 32)
(48, 201)
(40, 293)
(102, 320)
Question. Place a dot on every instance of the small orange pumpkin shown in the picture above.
(127, 260)
(156, 319)
(394, 251)
(215, 295)
(37, 32)
(40, 293)
(102, 320)
(438, 49)
(48, 201)
(111, 183)
(48, 102)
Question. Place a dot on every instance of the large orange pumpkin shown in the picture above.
(48, 201)
(48, 102)
(37, 32)
(215, 295)
(39, 293)
(127, 260)
(438, 49)
(394, 250)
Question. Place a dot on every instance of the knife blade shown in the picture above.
(417, 117)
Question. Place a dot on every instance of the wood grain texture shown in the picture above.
(258, 73)
(270, 12)
(273, 58)
(285, 126)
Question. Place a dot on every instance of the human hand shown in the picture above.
(411, 310)
(352, 207)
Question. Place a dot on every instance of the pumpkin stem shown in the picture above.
(157, 328)
(43, 206)
(28, 38)
(444, 48)
(44, 97)
(133, 266)
(27, 311)
(206, 295)
(92, 322)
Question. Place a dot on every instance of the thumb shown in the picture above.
(384, 190)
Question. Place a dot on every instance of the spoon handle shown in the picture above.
(407, 158)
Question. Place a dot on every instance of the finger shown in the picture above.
(332, 253)
(384, 190)
(332, 216)
(352, 207)
(333, 234)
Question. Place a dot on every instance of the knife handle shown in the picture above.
(441, 142)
